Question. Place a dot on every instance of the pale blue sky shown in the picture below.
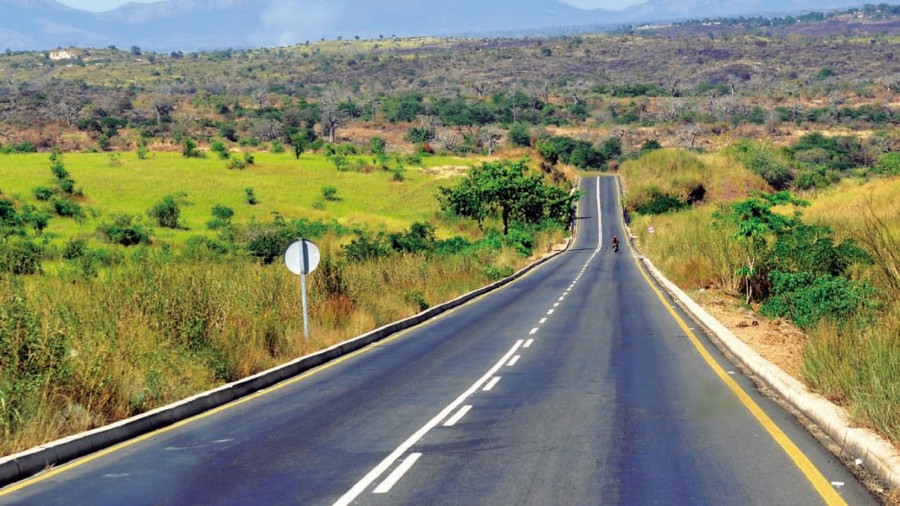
(105, 5)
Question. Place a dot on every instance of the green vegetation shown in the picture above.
(170, 281)
(832, 270)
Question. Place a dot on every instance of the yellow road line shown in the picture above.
(812, 473)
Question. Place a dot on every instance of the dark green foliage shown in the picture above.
(520, 135)
(367, 247)
(250, 197)
(219, 148)
(507, 189)
(221, 217)
(124, 231)
(811, 249)
(42, 193)
(20, 256)
(303, 140)
(269, 244)
(377, 145)
(403, 108)
(837, 153)
(889, 163)
(765, 165)
(21, 147)
(419, 238)
(330, 193)
(203, 248)
(650, 145)
(29, 359)
(74, 249)
(189, 149)
(419, 135)
(661, 203)
(581, 154)
(816, 177)
(67, 208)
(166, 212)
(37, 220)
(9, 216)
(807, 299)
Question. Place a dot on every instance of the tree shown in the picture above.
(301, 141)
(507, 188)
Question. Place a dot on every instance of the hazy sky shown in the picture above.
(105, 5)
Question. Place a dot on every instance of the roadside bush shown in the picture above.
(660, 203)
(806, 299)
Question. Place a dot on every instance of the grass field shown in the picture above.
(125, 184)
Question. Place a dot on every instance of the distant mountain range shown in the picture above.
(192, 25)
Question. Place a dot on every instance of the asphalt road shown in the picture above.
(573, 385)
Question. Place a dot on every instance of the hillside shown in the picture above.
(191, 25)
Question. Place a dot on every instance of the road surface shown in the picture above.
(577, 384)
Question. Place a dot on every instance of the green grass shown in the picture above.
(281, 183)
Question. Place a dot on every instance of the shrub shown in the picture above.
(189, 149)
(377, 145)
(250, 197)
(271, 243)
(806, 299)
(219, 148)
(74, 248)
(221, 217)
(67, 208)
(889, 163)
(166, 212)
(330, 193)
(123, 231)
(20, 256)
(42, 193)
(661, 203)
(519, 135)
(237, 164)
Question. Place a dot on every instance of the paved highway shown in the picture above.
(577, 384)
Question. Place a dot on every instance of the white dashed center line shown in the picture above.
(457, 417)
(533, 331)
(514, 360)
(491, 384)
(398, 473)
(528, 343)
(543, 321)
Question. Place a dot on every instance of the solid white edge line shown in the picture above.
(491, 384)
(398, 473)
(378, 470)
(458, 416)
(599, 218)
(514, 360)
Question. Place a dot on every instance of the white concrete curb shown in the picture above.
(20, 466)
(877, 454)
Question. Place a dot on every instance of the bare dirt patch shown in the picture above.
(447, 171)
(777, 341)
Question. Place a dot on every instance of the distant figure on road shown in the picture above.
(615, 244)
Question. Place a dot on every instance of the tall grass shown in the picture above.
(858, 365)
(80, 352)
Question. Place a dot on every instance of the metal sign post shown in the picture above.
(302, 257)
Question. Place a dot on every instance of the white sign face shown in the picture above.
(302, 257)
(651, 230)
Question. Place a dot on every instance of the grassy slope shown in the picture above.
(281, 183)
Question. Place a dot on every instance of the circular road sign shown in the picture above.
(302, 257)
